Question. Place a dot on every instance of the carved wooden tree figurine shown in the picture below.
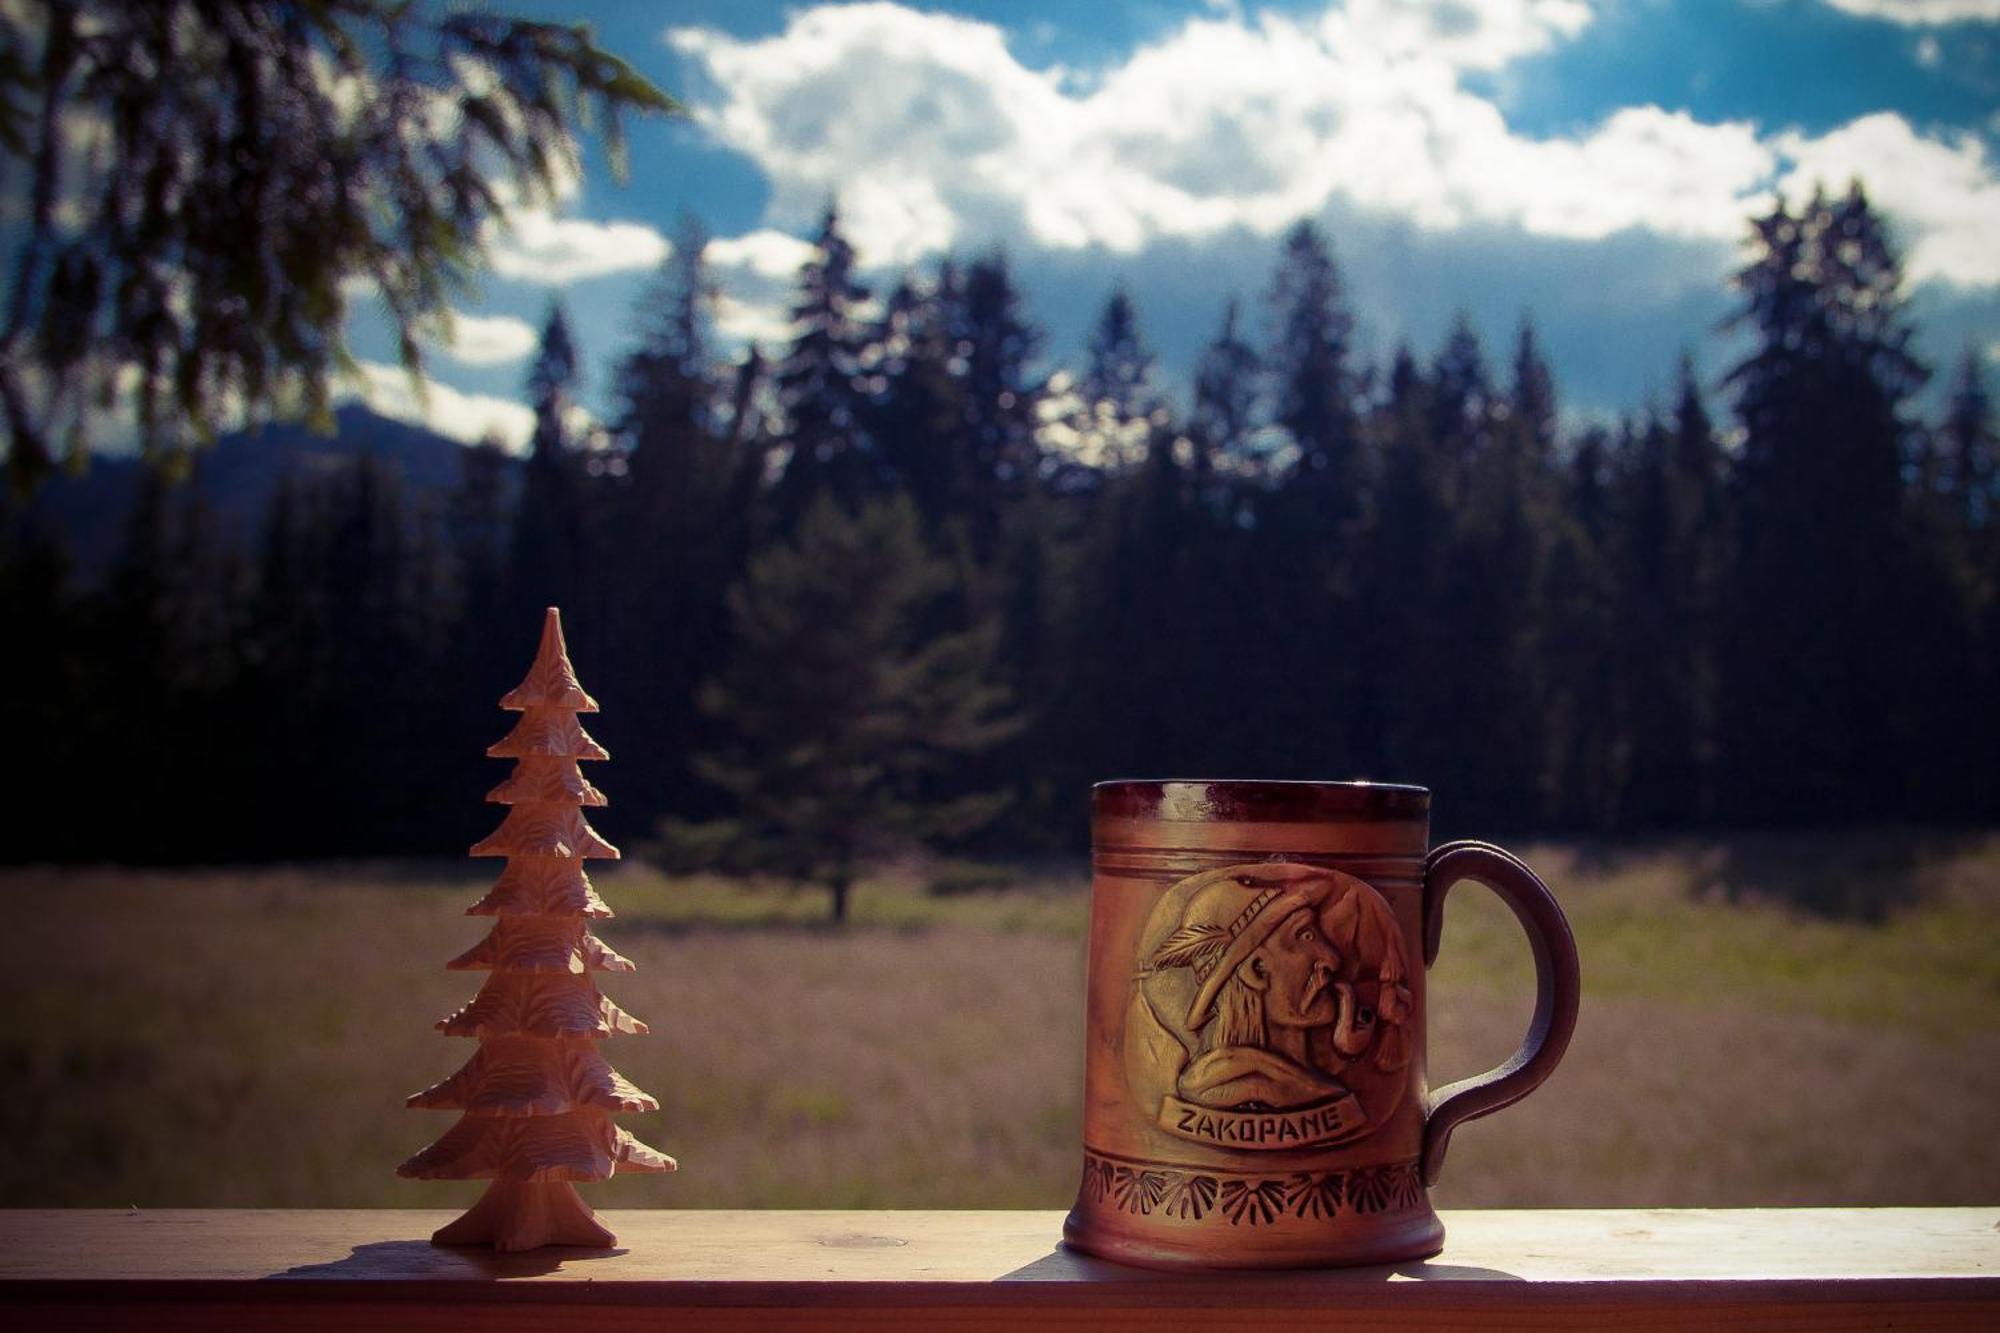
(537, 1097)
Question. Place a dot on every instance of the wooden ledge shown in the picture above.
(1656, 1268)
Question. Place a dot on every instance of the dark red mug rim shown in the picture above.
(1251, 800)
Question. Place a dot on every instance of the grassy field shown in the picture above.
(1766, 1021)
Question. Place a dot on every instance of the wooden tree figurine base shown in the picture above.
(526, 1215)
(537, 1097)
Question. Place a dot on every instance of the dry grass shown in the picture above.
(1734, 1049)
(245, 1038)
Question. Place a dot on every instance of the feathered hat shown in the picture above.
(1224, 921)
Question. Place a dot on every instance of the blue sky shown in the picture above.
(1591, 162)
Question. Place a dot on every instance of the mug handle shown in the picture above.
(1556, 986)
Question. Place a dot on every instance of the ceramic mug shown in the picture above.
(1254, 1083)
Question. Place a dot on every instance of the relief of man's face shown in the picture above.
(1298, 967)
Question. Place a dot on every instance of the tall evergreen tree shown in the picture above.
(548, 554)
(1310, 359)
(1014, 526)
(1305, 680)
(665, 384)
(1225, 418)
(1117, 394)
(1499, 564)
(675, 525)
(1971, 449)
(1532, 402)
(1815, 632)
(918, 414)
(1974, 472)
(165, 647)
(1134, 695)
(1399, 683)
(356, 583)
(1948, 597)
(818, 383)
(478, 531)
(1698, 553)
(1579, 763)
(1655, 776)
(996, 348)
(751, 447)
(1495, 492)
(1461, 404)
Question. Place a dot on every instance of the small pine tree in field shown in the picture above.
(537, 1098)
(847, 714)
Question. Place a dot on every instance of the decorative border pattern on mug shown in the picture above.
(1192, 1196)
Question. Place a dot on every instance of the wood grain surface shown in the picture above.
(1570, 1268)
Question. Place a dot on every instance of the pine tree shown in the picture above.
(1971, 449)
(1532, 403)
(478, 523)
(1399, 687)
(1950, 598)
(1698, 547)
(666, 384)
(1497, 599)
(918, 413)
(1144, 598)
(376, 608)
(1301, 683)
(165, 642)
(1816, 631)
(1000, 394)
(846, 723)
(1489, 565)
(675, 522)
(1521, 472)
(232, 166)
(536, 1097)
(1656, 723)
(549, 549)
(1117, 395)
(1974, 485)
(1579, 765)
(477, 526)
(1015, 526)
(1226, 400)
(818, 382)
(1461, 401)
(1311, 361)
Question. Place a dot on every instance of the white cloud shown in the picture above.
(532, 244)
(934, 136)
(1921, 13)
(756, 274)
(768, 254)
(1943, 198)
(1468, 34)
(746, 321)
(469, 417)
(872, 99)
(487, 340)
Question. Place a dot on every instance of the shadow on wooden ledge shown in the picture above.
(420, 1259)
(1066, 1265)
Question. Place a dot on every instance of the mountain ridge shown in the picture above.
(237, 477)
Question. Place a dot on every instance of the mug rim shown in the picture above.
(1256, 800)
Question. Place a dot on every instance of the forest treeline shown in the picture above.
(896, 582)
